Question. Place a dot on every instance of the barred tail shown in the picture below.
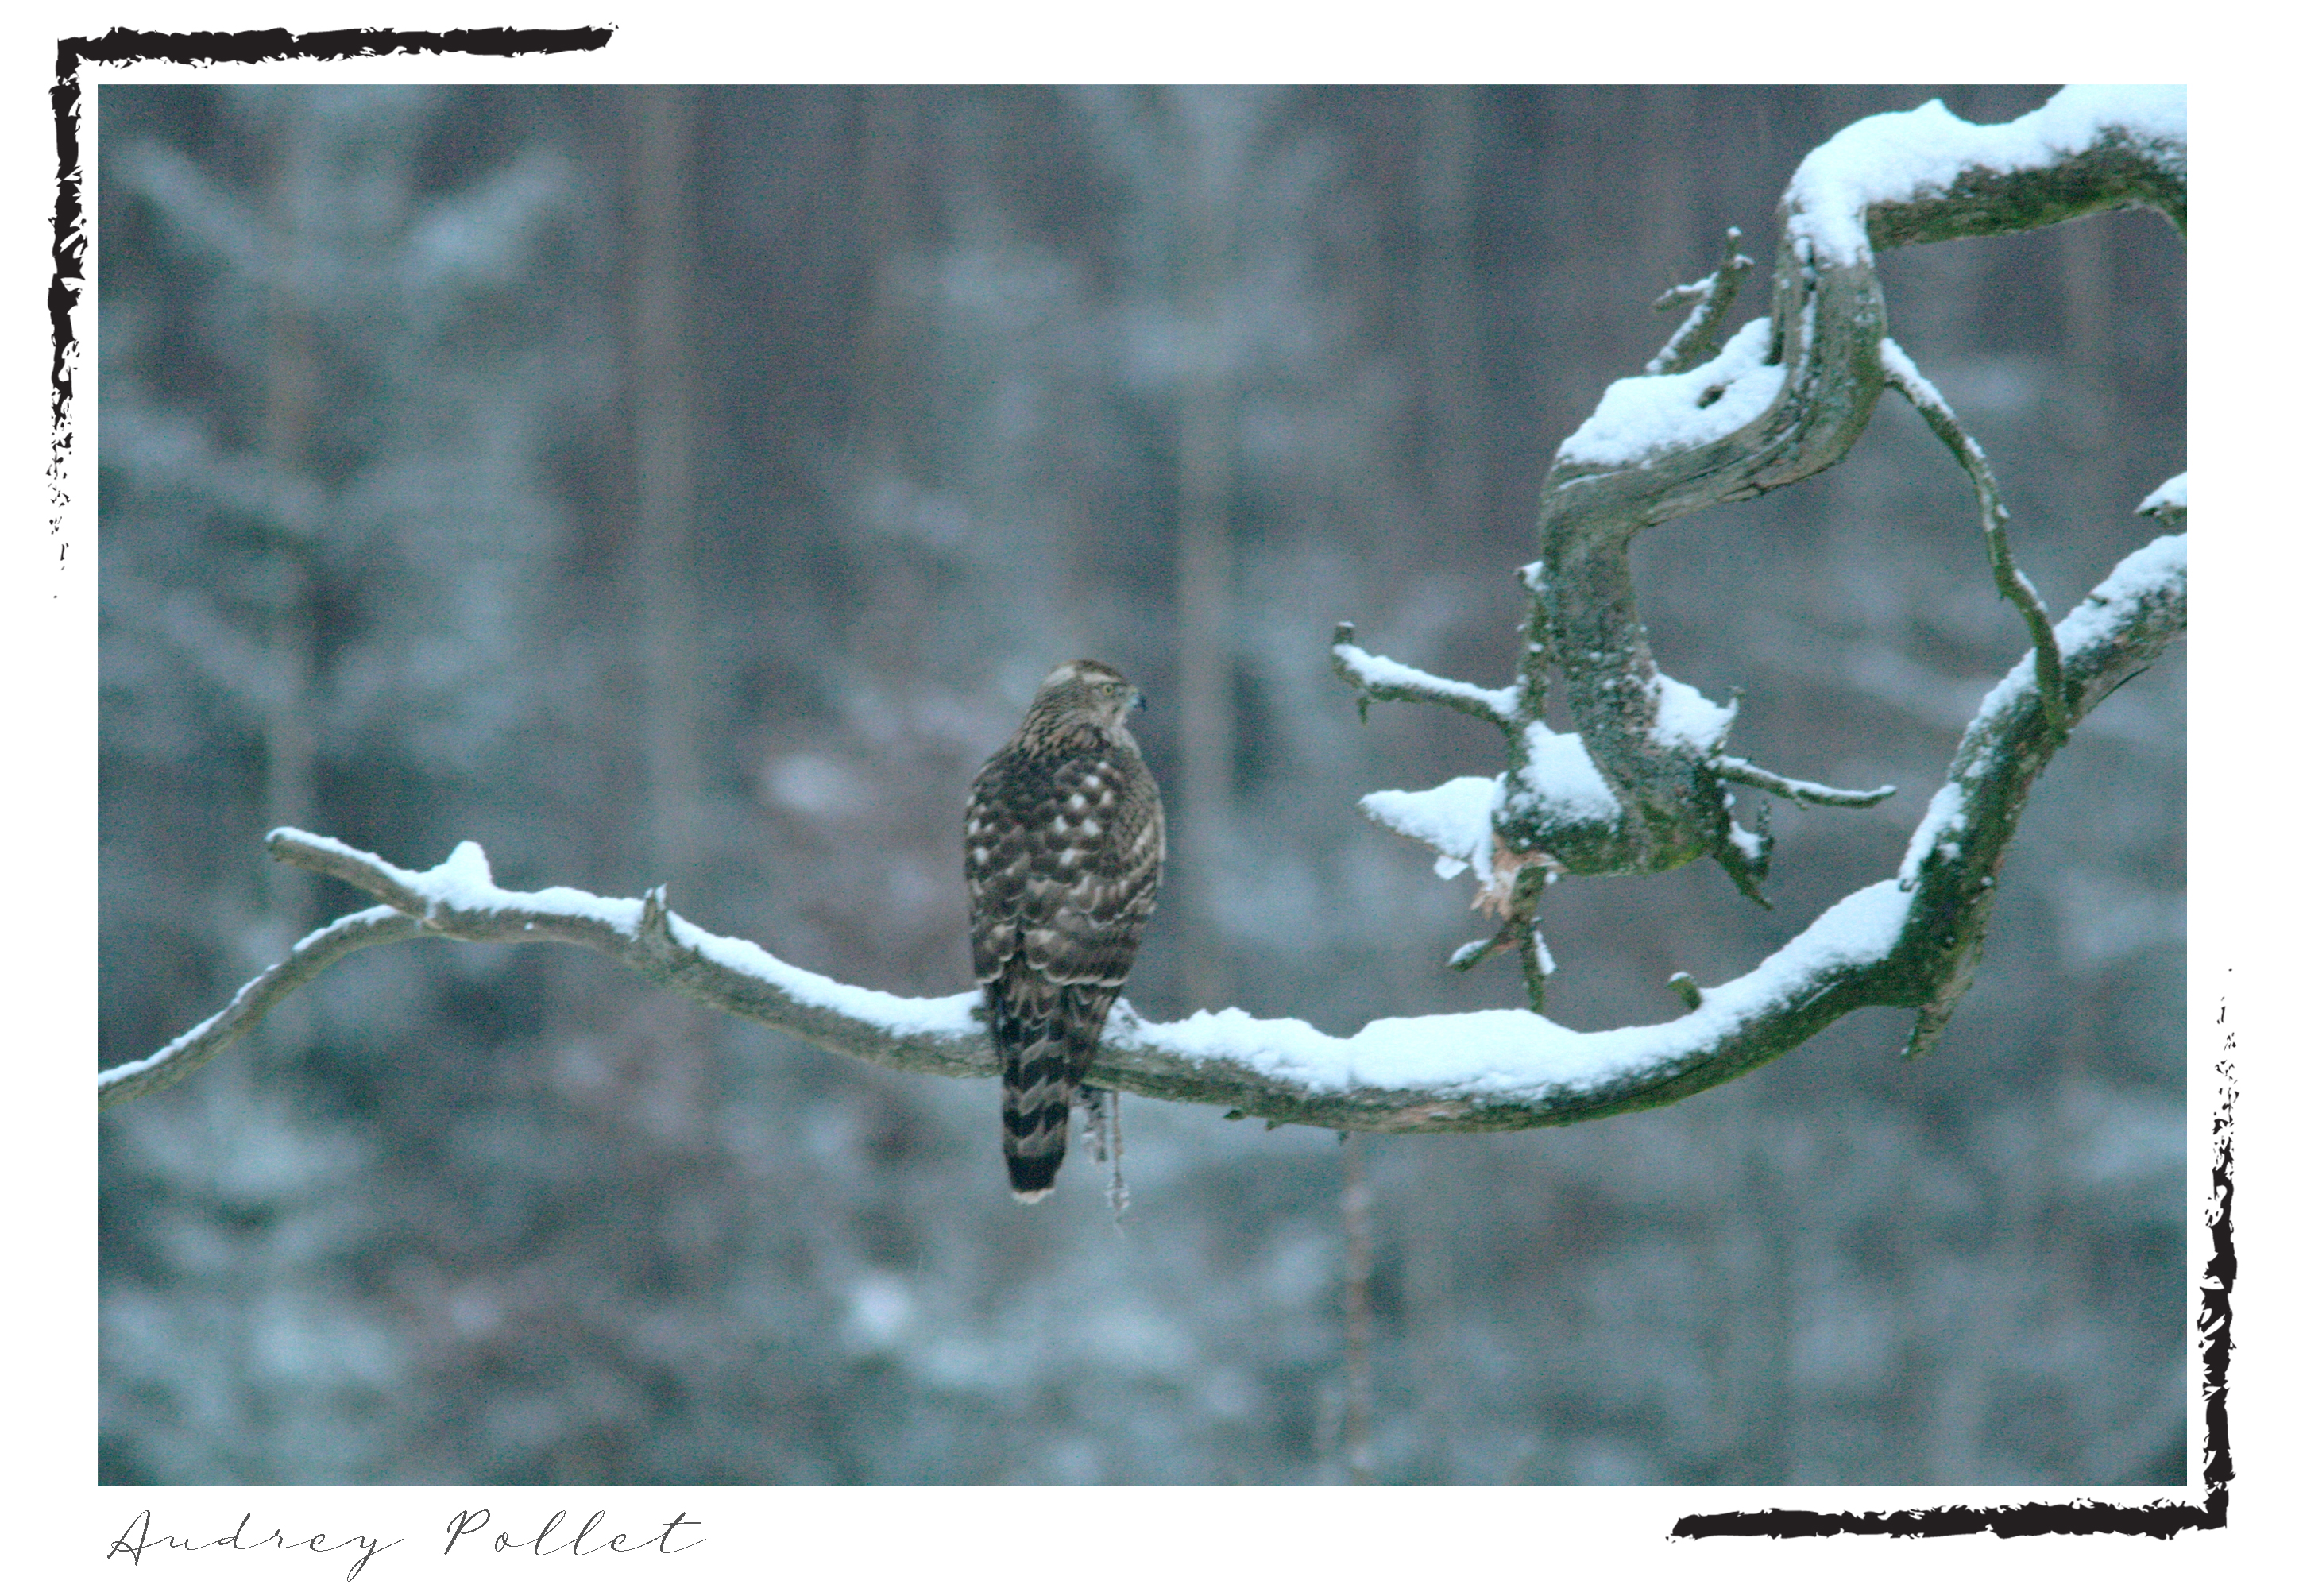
(1036, 1105)
(1045, 1034)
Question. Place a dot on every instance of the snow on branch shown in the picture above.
(460, 900)
(1955, 857)
(1637, 789)
(1641, 787)
(2168, 503)
(1640, 417)
(368, 928)
(1456, 820)
(1907, 942)
(1900, 371)
(1733, 768)
(1376, 677)
(1926, 175)
(1696, 340)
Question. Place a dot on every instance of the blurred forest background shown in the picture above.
(692, 485)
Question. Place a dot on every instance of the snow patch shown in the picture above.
(1683, 717)
(1906, 154)
(1516, 1055)
(1943, 820)
(1562, 778)
(1640, 417)
(1378, 670)
(2171, 495)
(2143, 574)
(1457, 819)
(951, 1016)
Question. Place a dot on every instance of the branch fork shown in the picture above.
(1642, 787)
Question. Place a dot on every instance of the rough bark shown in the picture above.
(1831, 359)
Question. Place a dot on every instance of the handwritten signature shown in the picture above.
(470, 1521)
(551, 1538)
(138, 1539)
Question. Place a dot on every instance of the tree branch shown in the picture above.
(1379, 678)
(1957, 853)
(2011, 581)
(1911, 942)
(1695, 342)
(1798, 793)
(368, 928)
(1640, 788)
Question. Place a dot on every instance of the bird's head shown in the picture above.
(1081, 694)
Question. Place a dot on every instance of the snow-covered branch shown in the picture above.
(1379, 678)
(305, 961)
(458, 899)
(1910, 942)
(1957, 854)
(1738, 771)
(1695, 341)
(1640, 785)
(1901, 372)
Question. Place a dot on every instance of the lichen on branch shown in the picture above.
(1642, 785)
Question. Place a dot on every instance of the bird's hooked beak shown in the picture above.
(1141, 700)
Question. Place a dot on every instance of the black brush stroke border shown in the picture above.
(2215, 1322)
(2216, 1317)
(125, 44)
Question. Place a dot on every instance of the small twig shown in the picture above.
(1901, 372)
(1798, 793)
(1528, 878)
(1744, 853)
(1696, 341)
(1536, 964)
(1685, 987)
(372, 928)
(1471, 954)
(1375, 676)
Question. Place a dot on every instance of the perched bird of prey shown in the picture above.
(1065, 842)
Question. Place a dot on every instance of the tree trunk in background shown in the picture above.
(1432, 1206)
(887, 161)
(2087, 265)
(1665, 248)
(1213, 136)
(1755, 1269)
(893, 450)
(660, 385)
(1452, 383)
(290, 384)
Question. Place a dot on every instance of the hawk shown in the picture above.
(1065, 842)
